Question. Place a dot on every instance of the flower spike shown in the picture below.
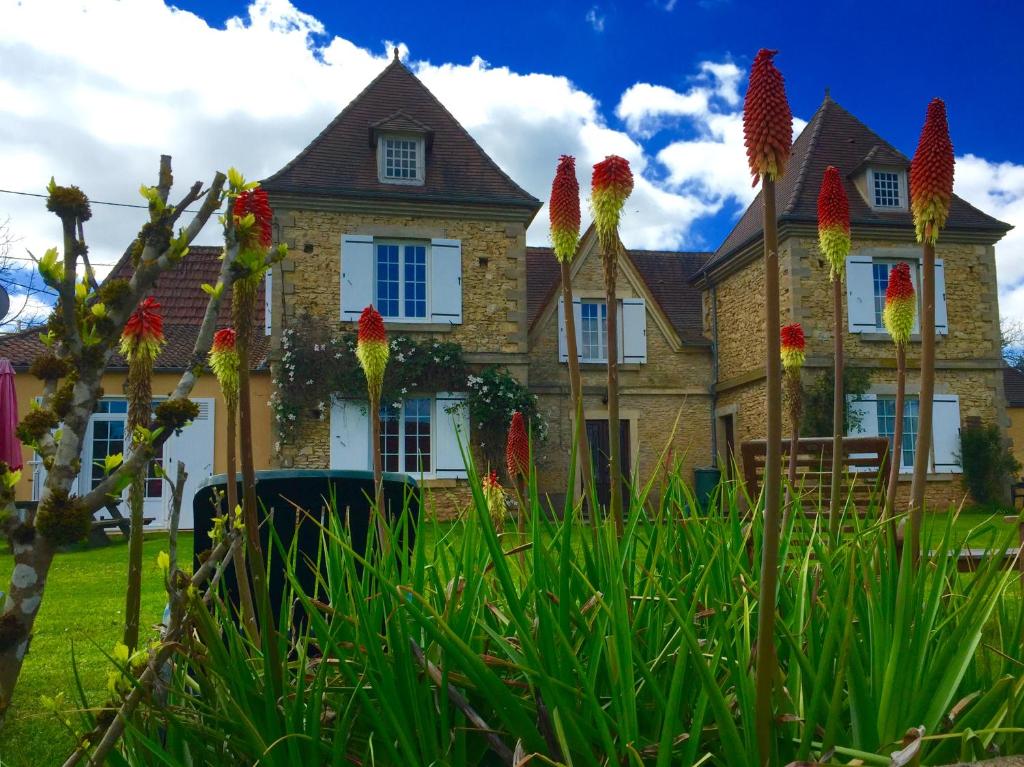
(372, 349)
(767, 119)
(834, 222)
(517, 449)
(143, 334)
(931, 174)
(792, 347)
(611, 184)
(224, 362)
(564, 209)
(900, 304)
(256, 202)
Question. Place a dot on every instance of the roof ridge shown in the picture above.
(337, 118)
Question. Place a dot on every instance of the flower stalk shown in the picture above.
(834, 244)
(768, 136)
(899, 315)
(611, 185)
(564, 210)
(792, 349)
(931, 189)
(141, 341)
(224, 363)
(372, 351)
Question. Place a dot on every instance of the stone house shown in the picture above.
(969, 377)
(394, 204)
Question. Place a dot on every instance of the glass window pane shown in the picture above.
(389, 439)
(417, 434)
(415, 282)
(387, 280)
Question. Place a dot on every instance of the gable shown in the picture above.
(342, 160)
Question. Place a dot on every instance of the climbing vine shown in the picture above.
(318, 361)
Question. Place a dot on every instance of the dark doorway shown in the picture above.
(729, 454)
(597, 438)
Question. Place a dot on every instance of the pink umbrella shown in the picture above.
(10, 447)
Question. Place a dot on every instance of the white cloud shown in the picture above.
(93, 92)
(998, 189)
(595, 18)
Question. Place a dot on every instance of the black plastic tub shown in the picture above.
(296, 501)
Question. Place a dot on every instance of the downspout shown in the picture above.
(714, 375)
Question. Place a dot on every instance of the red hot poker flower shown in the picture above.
(767, 119)
(931, 174)
(143, 334)
(834, 221)
(564, 209)
(792, 347)
(372, 349)
(900, 304)
(256, 201)
(611, 184)
(517, 449)
(223, 340)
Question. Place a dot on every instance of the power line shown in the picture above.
(91, 201)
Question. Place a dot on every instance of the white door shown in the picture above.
(194, 448)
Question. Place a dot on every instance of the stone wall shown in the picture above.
(666, 400)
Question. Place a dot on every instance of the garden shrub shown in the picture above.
(988, 463)
(817, 401)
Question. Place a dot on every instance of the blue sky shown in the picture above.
(87, 94)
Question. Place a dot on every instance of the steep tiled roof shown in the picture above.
(342, 162)
(1013, 384)
(182, 304)
(835, 137)
(667, 275)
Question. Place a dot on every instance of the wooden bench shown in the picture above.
(865, 464)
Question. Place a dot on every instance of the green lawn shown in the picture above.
(83, 608)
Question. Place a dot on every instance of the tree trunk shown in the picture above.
(897, 436)
(576, 393)
(611, 265)
(836, 503)
(922, 450)
(765, 658)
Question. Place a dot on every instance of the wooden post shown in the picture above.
(611, 265)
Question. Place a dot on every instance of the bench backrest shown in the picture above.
(865, 468)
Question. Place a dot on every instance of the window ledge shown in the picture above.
(907, 476)
(437, 482)
(414, 327)
(915, 338)
(597, 365)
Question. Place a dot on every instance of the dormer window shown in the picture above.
(400, 159)
(888, 189)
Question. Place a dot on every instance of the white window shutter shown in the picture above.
(946, 433)
(356, 275)
(350, 435)
(860, 294)
(445, 287)
(634, 331)
(193, 447)
(451, 434)
(941, 317)
(563, 346)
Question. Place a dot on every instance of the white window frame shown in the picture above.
(402, 245)
(431, 401)
(915, 280)
(382, 143)
(90, 437)
(901, 182)
(905, 468)
(601, 331)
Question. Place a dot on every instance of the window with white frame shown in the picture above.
(108, 437)
(401, 159)
(887, 427)
(880, 271)
(594, 331)
(887, 189)
(405, 436)
(401, 289)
